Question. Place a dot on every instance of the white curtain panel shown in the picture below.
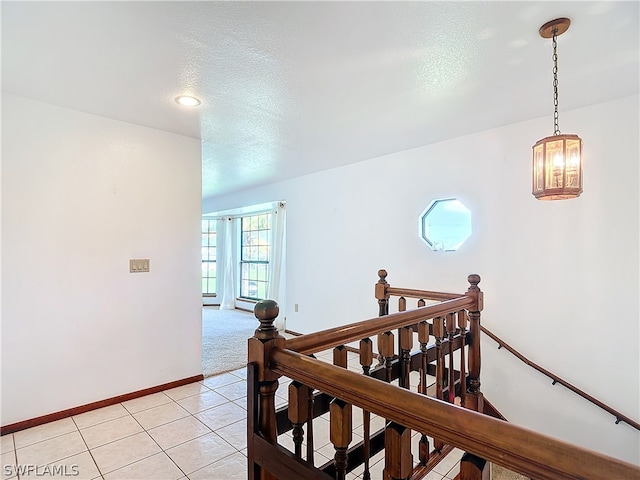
(276, 287)
(227, 261)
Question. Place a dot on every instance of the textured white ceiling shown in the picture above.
(289, 88)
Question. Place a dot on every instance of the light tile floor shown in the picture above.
(192, 432)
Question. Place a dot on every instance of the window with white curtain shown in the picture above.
(209, 277)
(250, 256)
(255, 254)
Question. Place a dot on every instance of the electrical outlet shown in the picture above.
(295, 307)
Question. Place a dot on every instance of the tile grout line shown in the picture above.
(88, 449)
(128, 436)
(210, 431)
(184, 475)
(154, 441)
(15, 461)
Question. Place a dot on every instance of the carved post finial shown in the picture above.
(474, 290)
(266, 312)
(383, 276)
(474, 280)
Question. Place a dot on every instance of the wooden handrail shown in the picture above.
(556, 379)
(424, 294)
(514, 447)
(318, 341)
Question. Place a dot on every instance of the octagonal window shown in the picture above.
(445, 224)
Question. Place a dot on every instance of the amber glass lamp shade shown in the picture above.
(557, 167)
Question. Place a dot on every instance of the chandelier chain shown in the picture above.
(556, 128)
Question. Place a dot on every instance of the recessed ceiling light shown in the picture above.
(187, 101)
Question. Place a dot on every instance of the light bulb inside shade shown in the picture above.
(558, 160)
(574, 161)
(187, 101)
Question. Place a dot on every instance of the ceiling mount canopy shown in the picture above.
(554, 27)
(557, 160)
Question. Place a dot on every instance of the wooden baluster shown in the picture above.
(406, 342)
(462, 325)
(402, 304)
(310, 402)
(266, 338)
(451, 332)
(423, 338)
(423, 348)
(340, 360)
(340, 356)
(473, 467)
(438, 332)
(402, 307)
(298, 413)
(383, 301)
(385, 347)
(474, 400)
(366, 355)
(398, 461)
(366, 359)
(340, 434)
(381, 293)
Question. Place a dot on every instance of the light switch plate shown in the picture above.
(137, 265)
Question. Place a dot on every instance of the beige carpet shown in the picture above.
(501, 473)
(224, 339)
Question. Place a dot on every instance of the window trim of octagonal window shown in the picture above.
(442, 246)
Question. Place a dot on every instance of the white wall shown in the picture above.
(560, 278)
(81, 195)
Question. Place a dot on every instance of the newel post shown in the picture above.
(381, 293)
(262, 384)
(473, 467)
(474, 399)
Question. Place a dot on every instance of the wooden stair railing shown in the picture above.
(384, 292)
(556, 379)
(444, 329)
(319, 387)
(517, 448)
(396, 368)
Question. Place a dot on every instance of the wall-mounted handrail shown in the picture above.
(514, 447)
(556, 379)
(332, 337)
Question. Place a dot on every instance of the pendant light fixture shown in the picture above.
(557, 160)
